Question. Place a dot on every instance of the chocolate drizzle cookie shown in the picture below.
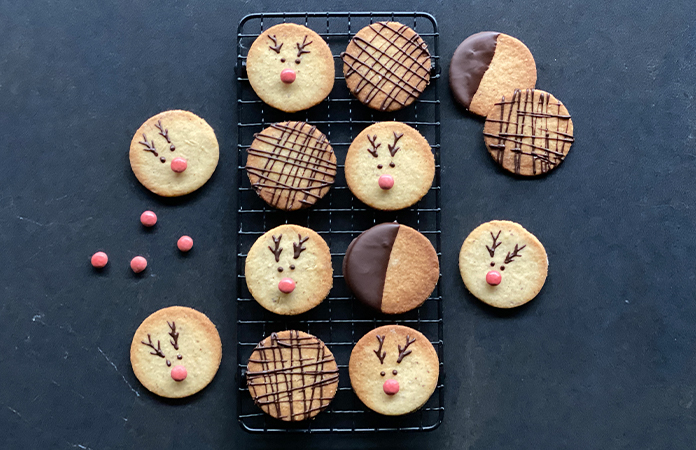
(292, 375)
(529, 133)
(291, 165)
(386, 66)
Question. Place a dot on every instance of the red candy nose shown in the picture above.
(494, 278)
(179, 165)
(179, 373)
(386, 182)
(286, 285)
(287, 76)
(391, 387)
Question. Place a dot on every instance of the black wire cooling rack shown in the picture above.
(340, 321)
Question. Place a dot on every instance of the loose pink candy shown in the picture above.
(287, 76)
(286, 285)
(179, 164)
(99, 260)
(391, 386)
(179, 373)
(148, 218)
(185, 243)
(494, 278)
(138, 264)
(386, 181)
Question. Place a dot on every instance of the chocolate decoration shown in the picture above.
(174, 334)
(380, 354)
(469, 63)
(275, 47)
(531, 107)
(496, 244)
(382, 58)
(163, 131)
(391, 164)
(366, 261)
(169, 363)
(301, 161)
(382, 373)
(394, 372)
(277, 249)
(282, 361)
(301, 48)
(403, 352)
(179, 357)
(292, 267)
(379, 166)
(298, 60)
(149, 146)
(509, 258)
(298, 247)
(163, 159)
(280, 269)
(393, 148)
(374, 145)
(156, 351)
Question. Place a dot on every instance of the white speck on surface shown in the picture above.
(116, 369)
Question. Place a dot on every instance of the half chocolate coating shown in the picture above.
(469, 63)
(366, 261)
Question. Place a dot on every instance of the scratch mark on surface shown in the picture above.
(116, 369)
(30, 221)
(18, 414)
(37, 318)
(80, 446)
(77, 393)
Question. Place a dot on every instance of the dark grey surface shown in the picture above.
(603, 358)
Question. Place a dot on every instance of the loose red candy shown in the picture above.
(99, 260)
(148, 218)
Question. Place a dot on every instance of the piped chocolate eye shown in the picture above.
(394, 372)
(280, 269)
(391, 164)
(502, 267)
(292, 267)
(492, 264)
(379, 166)
(297, 61)
(282, 60)
(382, 373)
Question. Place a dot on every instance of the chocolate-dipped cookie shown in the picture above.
(290, 67)
(292, 375)
(529, 132)
(487, 65)
(391, 268)
(386, 66)
(291, 165)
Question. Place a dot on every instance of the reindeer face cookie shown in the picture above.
(503, 264)
(290, 67)
(389, 166)
(288, 270)
(394, 370)
(176, 352)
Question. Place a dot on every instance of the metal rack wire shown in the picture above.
(340, 321)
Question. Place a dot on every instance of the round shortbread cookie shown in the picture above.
(503, 264)
(291, 165)
(391, 268)
(288, 270)
(290, 67)
(292, 375)
(175, 343)
(386, 66)
(487, 65)
(169, 142)
(529, 132)
(394, 370)
(389, 166)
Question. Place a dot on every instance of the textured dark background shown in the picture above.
(603, 358)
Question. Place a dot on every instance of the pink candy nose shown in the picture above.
(179, 373)
(286, 285)
(287, 76)
(179, 164)
(391, 387)
(386, 181)
(494, 278)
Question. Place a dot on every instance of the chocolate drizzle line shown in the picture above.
(157, 351)
(380, 354)
(298, 247)
(293, 373)
(304, 164)
(276, 251)
(149, 145)
(389, 63)
(491, 251)
(393, 148)
(509, 258)
(402, 351)
(518, 131)
(469, 63)
(174, 334)
(275, 47)
(165, 134)
(373, 144)
(301, 47)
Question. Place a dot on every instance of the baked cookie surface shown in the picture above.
(290, 67)
(487, 65)
(529, 132)
(386, 66)
(394, 370)
(288, 270)
(176, 352)
(391, 268)
(174, 153)
(292, 375)
(502, 264)
(291, 165)
(389, 166)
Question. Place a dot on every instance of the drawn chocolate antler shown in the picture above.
(149, 146)
(393, 148)
(375, 145)
(276, 251)
(301, 47)
(157, 351)
(174, 334)
(509, 257)
(275, 47)
(165, 134)
(402, 351)
(298, 247)
(380, 354)
(491, 251)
